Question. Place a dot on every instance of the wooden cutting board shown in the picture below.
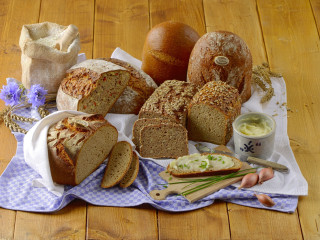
(179, 188)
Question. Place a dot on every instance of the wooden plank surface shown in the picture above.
(285, 33)
(122, 223)
(69, 223)
(121, 24)
(10, 27)
(189, 12)
(292, 44)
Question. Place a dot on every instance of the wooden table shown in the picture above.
(284, 33)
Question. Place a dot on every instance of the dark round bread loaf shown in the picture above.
(222, 56)
(167, 50)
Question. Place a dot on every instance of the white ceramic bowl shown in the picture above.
(255, 146)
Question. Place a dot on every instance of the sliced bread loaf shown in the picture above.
(142, 122)
(163, 141)
(92, 86)
(132, 173)
(205, 164)
(77, 146)
(212, 111)
(138, 90)
(118, 164)
(169, 101)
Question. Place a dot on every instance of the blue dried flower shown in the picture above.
(37, 95)
(11, 93)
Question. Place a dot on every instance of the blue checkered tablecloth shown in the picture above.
(17, 192)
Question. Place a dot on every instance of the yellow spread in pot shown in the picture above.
(197, 162)
(254, 126)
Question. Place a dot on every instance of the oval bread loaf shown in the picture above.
(222, 56)
(166, 51)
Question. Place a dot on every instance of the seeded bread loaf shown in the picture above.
(212, 111)
(138, 90)
(78, 145)
(205, 164)
(163, 141)
(92, 86)
(142, 122)
(118, 164)
(166, 51)
(169, 101)
(132, 173)
(222, 56)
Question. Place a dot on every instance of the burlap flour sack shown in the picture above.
(42, 62)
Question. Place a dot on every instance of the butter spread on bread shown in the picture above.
(205, 164)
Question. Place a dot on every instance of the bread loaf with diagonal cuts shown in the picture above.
(77, 145)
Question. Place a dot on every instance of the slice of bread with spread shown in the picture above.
(205, 164)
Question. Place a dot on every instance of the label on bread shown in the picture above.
(199, 163)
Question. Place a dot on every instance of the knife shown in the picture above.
(276, 166)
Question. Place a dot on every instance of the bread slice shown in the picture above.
(132, 172)
(142, 122)
(118, 164)
(168, 140)
(205, 164)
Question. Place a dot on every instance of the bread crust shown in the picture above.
(203, 68)
(217, 95)
(138, 90)
(122, 172)
(82, 80)
(65, 141)
(169, 101)
(166, 51)
(211, 172)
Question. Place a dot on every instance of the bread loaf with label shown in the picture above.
(166, 51)
(222, 56)
(78, 145)
(169, 101)
(92, 86)
(138, 90)
(212, 111)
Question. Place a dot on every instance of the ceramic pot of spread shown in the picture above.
(254, 135)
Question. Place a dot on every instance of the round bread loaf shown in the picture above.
(167, 50)
(222, 56)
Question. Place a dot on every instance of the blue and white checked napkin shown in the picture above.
(18, 193)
